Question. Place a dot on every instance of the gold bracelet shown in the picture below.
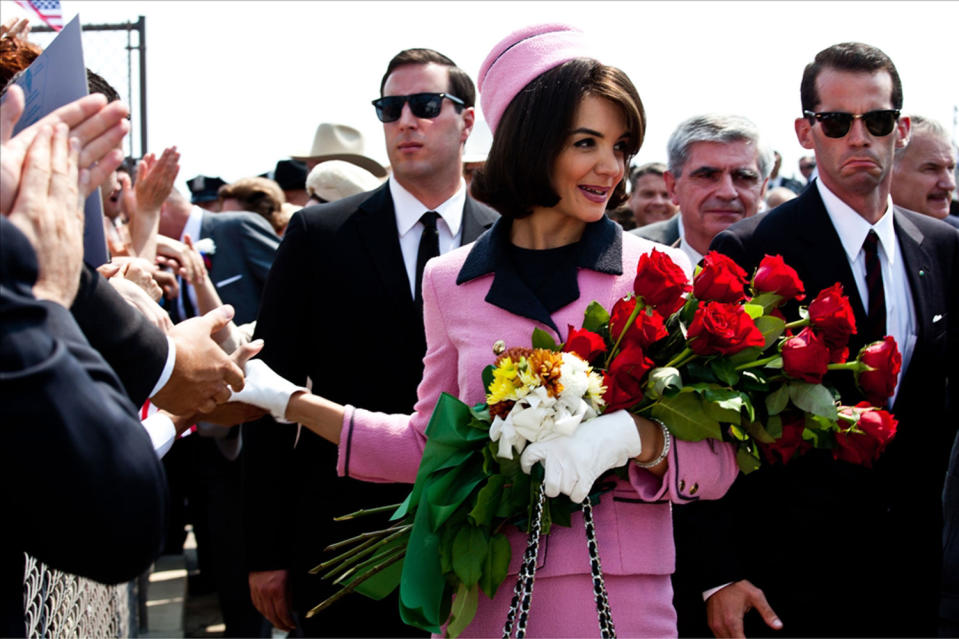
(667, 441)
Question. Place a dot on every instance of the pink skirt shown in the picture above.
(563, 606)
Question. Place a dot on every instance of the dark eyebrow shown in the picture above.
(583, 129)
(705, 171)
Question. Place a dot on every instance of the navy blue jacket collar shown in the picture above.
(600, 250)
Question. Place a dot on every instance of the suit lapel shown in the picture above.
(918, 272)
(376, 227)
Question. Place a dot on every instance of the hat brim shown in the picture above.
(361, 161)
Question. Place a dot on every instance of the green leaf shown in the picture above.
(724, 405)
(701, 372)
(469, 552)
(487, 501)
(748, 461)
(724, 370)
(542, 339)
(496, 564)
(488, 376)
(753, 310)
(756, 430)
(768, 301)
(595, 317)
(774, 426)
(775, 363)
(738, 433)
(686, 418)
(813, 398)
(746, 355)
(771, 327)
(464, 609)
(777, 400)
(753, 380)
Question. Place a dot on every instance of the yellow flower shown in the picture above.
(505, 382)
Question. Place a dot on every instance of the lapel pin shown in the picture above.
(498, 347)
(922, 273)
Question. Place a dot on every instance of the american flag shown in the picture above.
(48, 10)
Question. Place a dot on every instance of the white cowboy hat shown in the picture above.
(340, 142)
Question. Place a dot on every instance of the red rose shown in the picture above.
(661, 282)
(805, 356)
(789, 443)
(586, 344)
(832, 318)
(647, 327)
(775, 276)
(624, 380)
(879, 384)
(720, 280)
(722, 328)
(878, 428)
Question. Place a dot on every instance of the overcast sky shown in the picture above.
(239, 85)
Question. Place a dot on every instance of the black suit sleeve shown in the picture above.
(133, 347)
(80, 476)
(268, 465)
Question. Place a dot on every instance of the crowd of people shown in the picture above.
(262, 355)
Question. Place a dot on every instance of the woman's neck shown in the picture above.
(545, 229)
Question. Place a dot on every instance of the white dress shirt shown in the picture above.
(852, 229)
(408, 212)
(694, 256)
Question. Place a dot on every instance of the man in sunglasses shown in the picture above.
(834, 548)
(342, 308)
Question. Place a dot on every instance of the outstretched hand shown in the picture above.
(726, 608)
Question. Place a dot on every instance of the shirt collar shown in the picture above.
(409, 210)
(193, 224)
(853, 228)
(695, 257)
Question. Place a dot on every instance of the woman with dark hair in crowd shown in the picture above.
(565, 127)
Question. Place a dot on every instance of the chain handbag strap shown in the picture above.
(523, 591)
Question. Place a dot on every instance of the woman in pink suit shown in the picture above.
(565, 127)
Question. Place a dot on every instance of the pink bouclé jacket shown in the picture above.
(633, 522)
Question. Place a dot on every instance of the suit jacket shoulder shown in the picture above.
(665, 232)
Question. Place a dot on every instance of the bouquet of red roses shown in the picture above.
(715, 358)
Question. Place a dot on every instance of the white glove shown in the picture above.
(264, 388)
(574, 462)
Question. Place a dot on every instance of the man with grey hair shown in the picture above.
(717, 176)
(923, 177)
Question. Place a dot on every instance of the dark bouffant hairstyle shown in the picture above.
(847, 56)
(534, 129)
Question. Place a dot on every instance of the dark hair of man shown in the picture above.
(96, 84)
(853, 57)
(535, 127)
(460, 83)
(650, 168)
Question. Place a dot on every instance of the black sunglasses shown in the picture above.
(423, 105)
(835, 124)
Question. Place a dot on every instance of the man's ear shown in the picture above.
(469, 118)
(804, 133)
(903, 127)
(671, 186)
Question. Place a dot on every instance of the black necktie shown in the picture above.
(875, 328)
(429, 247)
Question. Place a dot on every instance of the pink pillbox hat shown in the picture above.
(522, 56)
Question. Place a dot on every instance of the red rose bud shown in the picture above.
(647, 327)
(883, 357)
(775, 276)
(618, 317)
(624, 381)
(832, 318)
(788, 444)
(719, 328)
(878, 429)
(805, 356)
(720, 280)
(586, 344)
(661, 282)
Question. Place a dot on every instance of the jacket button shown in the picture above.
(682, 484)
(694, 489)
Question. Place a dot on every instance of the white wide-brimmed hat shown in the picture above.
(340, 142)
(337, 179)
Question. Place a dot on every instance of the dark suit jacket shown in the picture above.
(245, 247)
(337, 309)
(81, 484)
(840, 549)
(665, 232)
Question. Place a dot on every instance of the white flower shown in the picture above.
(502, 430)
(205, 245)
